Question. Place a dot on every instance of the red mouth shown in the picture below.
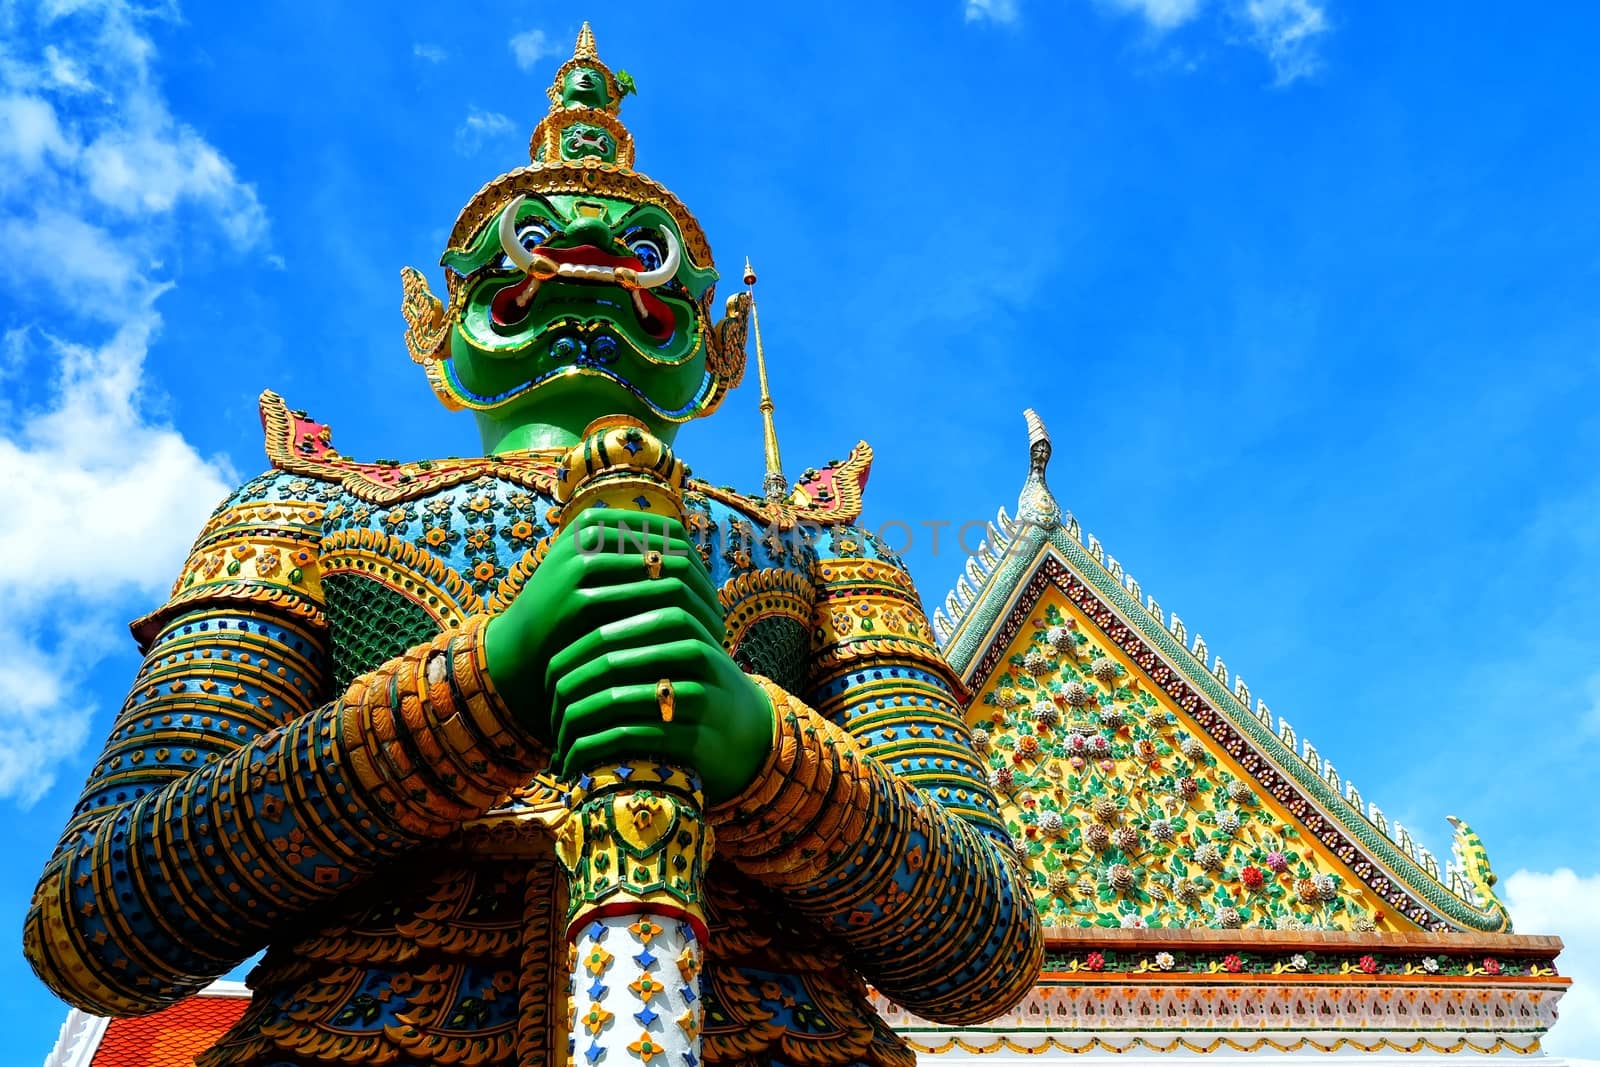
(510, 306)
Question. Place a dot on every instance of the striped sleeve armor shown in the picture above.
(232, 794)
(872, 814)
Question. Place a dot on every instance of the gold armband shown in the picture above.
(432, 742)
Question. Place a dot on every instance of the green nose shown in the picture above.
(590, 231)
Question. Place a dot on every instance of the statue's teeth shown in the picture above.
(584, 270)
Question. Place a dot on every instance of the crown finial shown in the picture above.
(584, 81)
(582, 124)
(585, 48)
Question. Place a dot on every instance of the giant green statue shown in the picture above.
(554, 754)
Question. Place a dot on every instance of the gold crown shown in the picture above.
(569, 153)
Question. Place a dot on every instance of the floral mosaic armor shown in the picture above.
(314, 757)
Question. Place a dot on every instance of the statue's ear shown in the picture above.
(427, 327)
(427, 332)
(727, 355)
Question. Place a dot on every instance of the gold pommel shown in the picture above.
(621, 464)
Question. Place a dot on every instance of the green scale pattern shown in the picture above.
(369, 624)
(779, 649)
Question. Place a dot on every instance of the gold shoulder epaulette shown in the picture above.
(826, 496)
(299, 444)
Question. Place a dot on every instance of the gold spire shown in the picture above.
(774, 485)
(585, 55)
(585, 48)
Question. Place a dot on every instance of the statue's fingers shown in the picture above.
(651, 626)
(695, 562)
(596, 607)
(577, 713)
(667, 560)
(596, 525)
(620, 556)
(623, 743)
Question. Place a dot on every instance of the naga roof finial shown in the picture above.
(775, 486)
(1037, 433)
(1036, 505)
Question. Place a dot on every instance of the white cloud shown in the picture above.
(156, 164)
(102, 496)
(1563, 903)
(92, 274)
(1289, 32)
(63, 72)
(102, 502)
(1160, 14)
(89, 470)
(481, 126)
(132, 154)
(430, 52)
(991, 10)
(30, 131)
(34, 735)
(530, 46)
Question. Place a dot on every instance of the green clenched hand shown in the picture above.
(579, 653)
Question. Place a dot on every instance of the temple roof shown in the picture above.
(172, 1037)
(1141, 786)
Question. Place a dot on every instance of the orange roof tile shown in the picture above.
(172, 1037)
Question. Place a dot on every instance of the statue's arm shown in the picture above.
(874, 816)
(232, 794)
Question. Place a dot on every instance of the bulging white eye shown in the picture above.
(530, 235)
(648, 247)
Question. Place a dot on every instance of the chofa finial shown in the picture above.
(1036, 504)
(1036, 430)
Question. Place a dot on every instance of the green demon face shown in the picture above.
(568, 294)
(582, 140)
(584, 86)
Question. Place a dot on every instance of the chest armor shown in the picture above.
(394, 575)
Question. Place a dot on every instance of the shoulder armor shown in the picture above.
(828, 496)
(298, 444)
(258, 548)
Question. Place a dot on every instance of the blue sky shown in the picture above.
(1304, 288)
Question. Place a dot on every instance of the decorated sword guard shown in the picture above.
(638, 842)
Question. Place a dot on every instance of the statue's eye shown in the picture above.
(530, 235)
(533, 234)
(649, 246)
